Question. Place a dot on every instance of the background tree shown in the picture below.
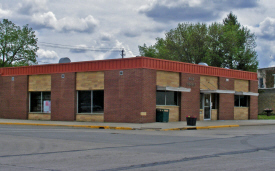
(227, 45)
(18, 46)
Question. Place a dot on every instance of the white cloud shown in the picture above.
(4, 13)
(267, 28)
(46, 56)
(49, 20)
(32, 6)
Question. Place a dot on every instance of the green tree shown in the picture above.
(18, 46)
(239, 45)
(227, 45)
(214, 54)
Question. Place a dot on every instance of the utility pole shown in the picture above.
(122, 53)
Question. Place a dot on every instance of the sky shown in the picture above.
(86, 30)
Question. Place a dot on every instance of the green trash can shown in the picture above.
(162, 115)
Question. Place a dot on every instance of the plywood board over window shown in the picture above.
(40, 83)
(208, 83)
(90, 81)
(165, 78)
(241, 85)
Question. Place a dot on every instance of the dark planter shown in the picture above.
(191, 121)
(268, 112)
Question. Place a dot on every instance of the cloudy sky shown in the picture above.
(98, 29)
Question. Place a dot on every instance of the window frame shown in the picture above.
(92, 95)
(239, 99)
(165, 101)
(41, 100)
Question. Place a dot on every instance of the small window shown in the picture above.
(169, 98)
(40, 102)
(261, 83)
(241, 101)
(91, 101)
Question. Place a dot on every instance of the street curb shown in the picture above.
(76, 126)
(124, 128)
(200, 127)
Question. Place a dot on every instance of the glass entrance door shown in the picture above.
(207, 106)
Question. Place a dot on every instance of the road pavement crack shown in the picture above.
(26, 167)
(138, 166)
(103, 148)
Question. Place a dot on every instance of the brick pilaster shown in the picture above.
(253, 106)
(125, 96)
(226, 101)
(63, 97)
(190, 101)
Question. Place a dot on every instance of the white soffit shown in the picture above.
(230, 92)
(218, 91)
(246, 93)
(180, 89)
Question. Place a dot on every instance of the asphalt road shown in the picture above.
(57, 148)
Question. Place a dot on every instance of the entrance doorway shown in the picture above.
(207, 106)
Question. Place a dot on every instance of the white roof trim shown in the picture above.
(180, 89)
(218, 91)
(246, 93)
(230, 92)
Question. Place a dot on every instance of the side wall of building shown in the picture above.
(63, 97)
(14, 97)
(127, 95)
(253, 108)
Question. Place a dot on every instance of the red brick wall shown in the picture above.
(125, 96)
(226, 101)
(253, 86)
(190, 101)
(14, 97)
(63, 97)
(253, 108)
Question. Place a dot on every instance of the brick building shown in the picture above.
(266, 78)
(127, 90)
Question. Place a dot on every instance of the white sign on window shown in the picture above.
(47, 106)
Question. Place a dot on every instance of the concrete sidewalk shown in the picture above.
(141, 126)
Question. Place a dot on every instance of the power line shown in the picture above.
(60, 46)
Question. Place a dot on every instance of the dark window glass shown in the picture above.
(237, 101)
(167, 98)
(98, 101)
(207, 100)
(84, 102)
(35, 102)
(243, 101)
(201, 101)
(261, 83)
(214, 101)
(171, 98)
(160, 97)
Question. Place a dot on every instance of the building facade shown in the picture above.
(127, 90)
(266, 78)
